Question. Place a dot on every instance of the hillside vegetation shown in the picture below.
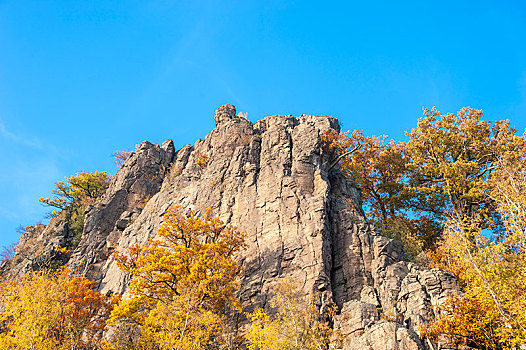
(454, 194)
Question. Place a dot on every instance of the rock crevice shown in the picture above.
(302, 220)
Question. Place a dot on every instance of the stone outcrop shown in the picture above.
(38, 247)
(139, 178)
(302, 217)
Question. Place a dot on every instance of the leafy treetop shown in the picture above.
(454, 156)
(78, 190)
(43, 310)
(183, 283)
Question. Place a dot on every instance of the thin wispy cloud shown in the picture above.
(33, 143)
(16, 138)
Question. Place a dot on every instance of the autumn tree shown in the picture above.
(490, 313)
(410, 188)
(80, 189)
(482, 169)
(72, 196)
(455, 155)
(182, 285)
(52, 311)
(379, 169)
(119, 157)
(295, 325)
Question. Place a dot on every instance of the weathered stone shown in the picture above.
(138, 179)
(302, 218)
(38, 248)
(355, 316)
(224, 114)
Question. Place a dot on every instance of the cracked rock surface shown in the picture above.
(271, 180)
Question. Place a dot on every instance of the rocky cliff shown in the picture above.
(302, 219)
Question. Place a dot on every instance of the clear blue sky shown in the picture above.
(80, 79)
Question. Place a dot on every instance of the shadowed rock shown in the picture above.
(303, 220)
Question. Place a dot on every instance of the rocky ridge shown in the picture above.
(303, 219)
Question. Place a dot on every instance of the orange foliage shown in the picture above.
(379, 169)
(52, 311)
(202, 160)
(465, 321)
(182, 284)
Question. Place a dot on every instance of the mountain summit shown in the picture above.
(302, 217)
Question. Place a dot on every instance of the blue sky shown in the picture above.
(80, 79)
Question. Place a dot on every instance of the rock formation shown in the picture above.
(302, 219)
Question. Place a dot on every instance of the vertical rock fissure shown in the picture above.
(270, 180)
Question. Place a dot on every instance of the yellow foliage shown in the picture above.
(480, 167)
(78, 190)
(182, 284)
(492, 310)
(202, 160)
(297, 324)
(454, 156)
(379, 169)
(51, 311)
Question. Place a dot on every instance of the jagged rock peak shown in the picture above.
(225, 113)
(302, 219)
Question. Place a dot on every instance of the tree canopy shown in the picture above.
(78, 190)
(455, 155)
(182, 284)
(379, 168)
(44, 310)
(457, 191)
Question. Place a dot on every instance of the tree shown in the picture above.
(72, 196)
(120, 157)
(491, 311)
(454, 156)
(52, 311)
(182, 284)
(296, 325)
(8, 252)
(379, 169)
(78, 190)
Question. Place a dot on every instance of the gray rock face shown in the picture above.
(139, 178)
(224, 114)
(271, 180)
(38, 248)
